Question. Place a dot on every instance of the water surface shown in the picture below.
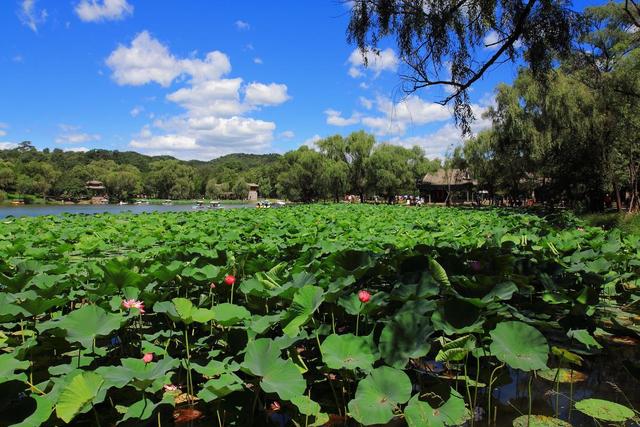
(38, 210)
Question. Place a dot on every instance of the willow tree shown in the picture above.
(442, 42)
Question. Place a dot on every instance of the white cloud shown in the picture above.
(363, 85)
(436, 144)
(18, 59)
(366, 102)
(30, 15)
(242, 25)
(384, 60)
(76, 138)
(135, 111)
(73, 135)
(266, 94)
(216, 97)
(335, 118)
(8, 145)
(396, 117)
(105, 10)
(3, 126)
(148, 60)
(311, 142)
(257, 61)
(491, 41)
(77, 149)
(287, 134)
(214, 120)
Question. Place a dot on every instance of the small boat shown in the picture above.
(167, 203)
(17, 202)
(263, 204)
(122, 202)
(214, 204)
(199, 205)
(142, 202)
(279, 204)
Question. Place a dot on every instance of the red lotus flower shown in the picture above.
(275, 405)
(132, 303)
(229, 280)
(364, 296)
(147, 358)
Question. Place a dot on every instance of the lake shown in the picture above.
(38, 210)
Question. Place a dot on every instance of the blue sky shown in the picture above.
(200, 79)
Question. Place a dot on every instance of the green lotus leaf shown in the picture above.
(219, 387)
(305, 302)
(439, 273)
(85, 324)
(137, 373)
(452, 413)
(379, 394)
(78, 393)
(9, 309)
(262, 359)
(405, 337)
(348, 352)
(520, 346)
(8, 365)
(583, 336)
(604, 410)
(206, 273)
(229, 314)
(143, 409)
(184, 308)
(43, 411)
(457, 316)
(539, 421)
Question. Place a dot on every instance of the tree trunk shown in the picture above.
(616, 190)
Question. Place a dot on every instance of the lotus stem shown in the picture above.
(529, 389)
(466, 385)
(233, 286)
(491, 392)
(357, 323)
(475, 391)
(189, 379)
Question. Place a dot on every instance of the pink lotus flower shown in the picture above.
(170, 387)
(229, 280)
(275, 405)
(212, 285)
(476, 266)
(132, 303)
(147, 358)
(364, 296)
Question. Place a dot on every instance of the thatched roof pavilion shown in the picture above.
(434, 187)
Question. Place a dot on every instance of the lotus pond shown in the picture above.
(318, 315)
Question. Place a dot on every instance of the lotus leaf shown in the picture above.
(405, 337)
(348, 352)
(520, 346)
(604, 410)
(80, 391)
(379, 394)
(452, 413)
(85, 324)
(539, 421)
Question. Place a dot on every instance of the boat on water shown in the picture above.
(201, 204)
(265, 204)
(280, 203)
(17, 202)
(167, 203)
(122, 202)
(141, 202)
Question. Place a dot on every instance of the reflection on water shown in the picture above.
(607, 379)
(38, 210)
